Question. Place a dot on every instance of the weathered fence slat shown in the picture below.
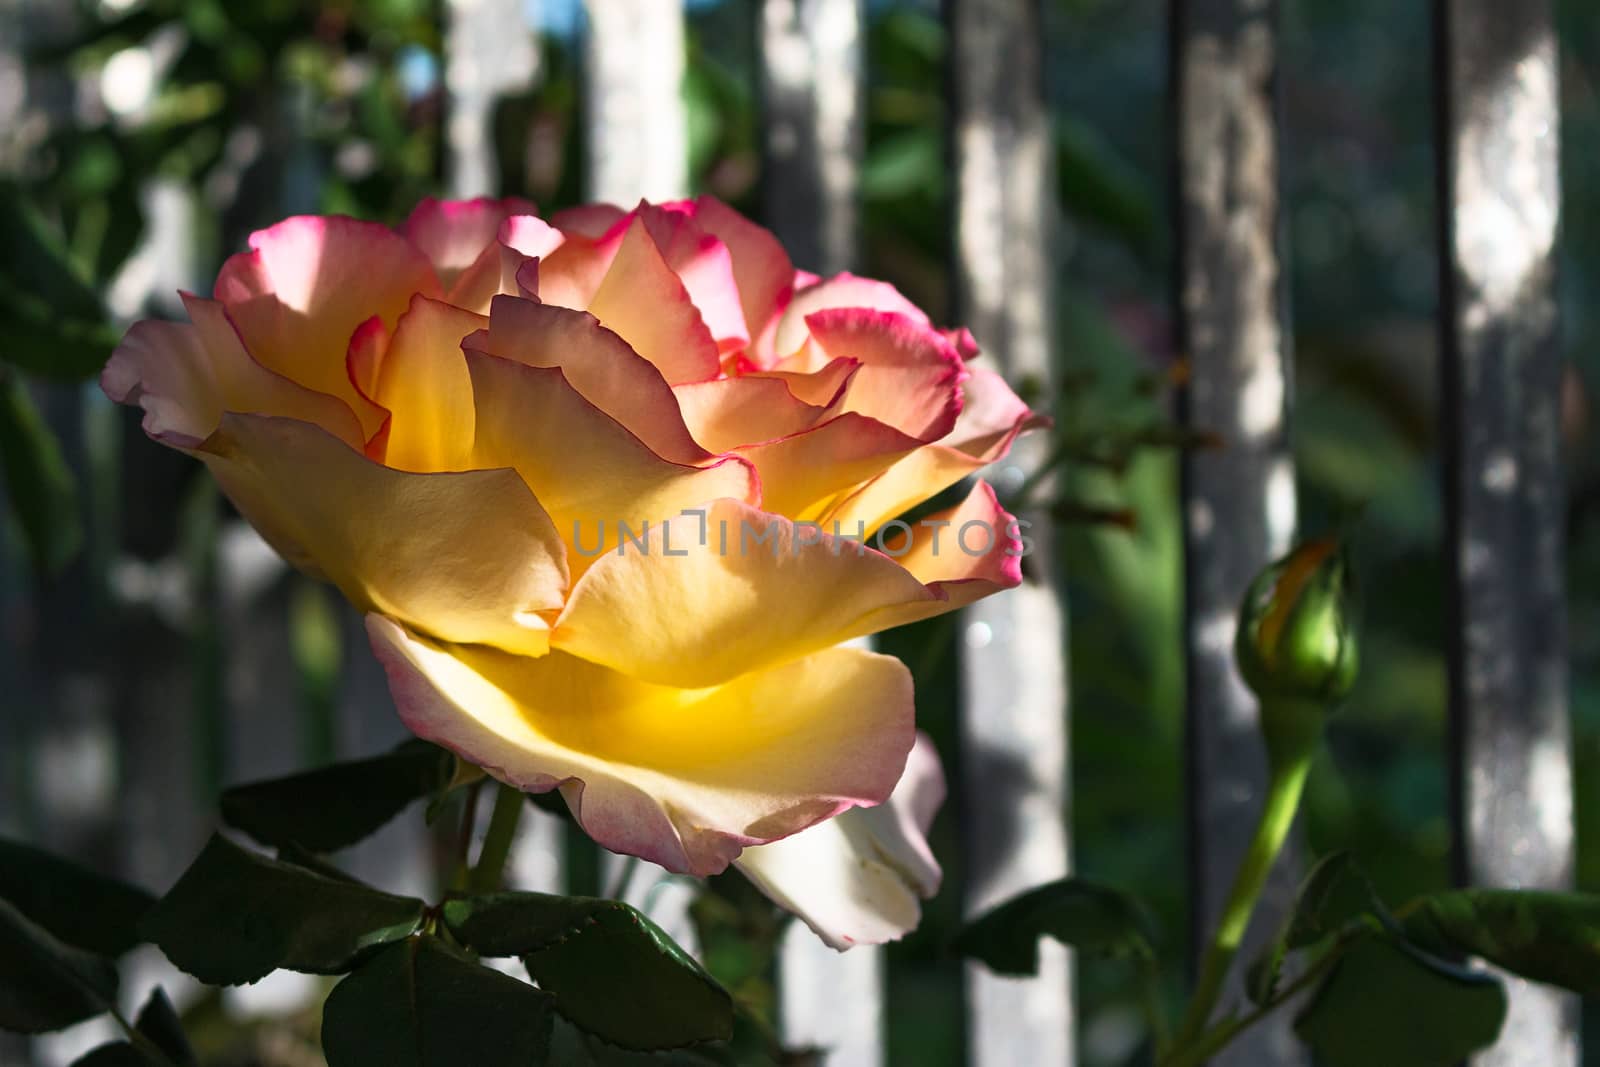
(1013, 722)
(1500, 400)
(812, 94)
(489, 50)
(1238, 500)
(638, 137)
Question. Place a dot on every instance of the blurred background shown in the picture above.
(142, 140)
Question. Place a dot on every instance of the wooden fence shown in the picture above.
(97, 710)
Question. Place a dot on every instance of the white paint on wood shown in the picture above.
(1014, 684)
(637, 125)
(490, 50)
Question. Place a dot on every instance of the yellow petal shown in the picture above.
(186, 374)
(684, 778)
(467, 557)
(586, 469)
(422, 380)
(598, 364)
(706, 599)
(646, 304)
(304, 287)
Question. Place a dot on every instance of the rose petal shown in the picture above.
(704, 599)
(840, 291)
(587, 470)
(683, 778)
(304, 287)
(186, 374)
(468, 556)
(991, 418)
(597, 363)
(729, 412)
(762, 267)
(910, 376)
(423, 383)
(458, 236)
(857, 878)
(645, 303)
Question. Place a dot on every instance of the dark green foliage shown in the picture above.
(421, 1004)
(1095, 920)
(334, 807)
(51, 322)
(45, 984)
(1332, 894)
(81, 908)
(41, 489)
(1387, 1002)
(236, 916)
(1549, 937)
(595, 955)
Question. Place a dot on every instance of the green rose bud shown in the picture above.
(1296, 642)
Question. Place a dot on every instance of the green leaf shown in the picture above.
(1388, 1002)
(116, 1054)
(51, 322)
(236, 916)
(82, 908)
(158, 1020)
(419, 1004)
(1091, 918)
(333, 807)
(1546, 936)
(37, 479)
(44, 984)
(595, 957)
(1332, 894)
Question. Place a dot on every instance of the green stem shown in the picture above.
(1220, 1036)
(1288, 779)
(508, 805)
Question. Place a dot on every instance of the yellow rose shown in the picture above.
(606, 488)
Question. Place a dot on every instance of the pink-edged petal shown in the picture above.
(455, 234)
(803, 475)
(304, 287)
(763, 269)
(468, 556)
(840, 291)
(185, 375)
(684, 778)
(729, 412)
(645, 303)
(963, 553)
(423, 383)
(704, 264)
(598, 364)
(990, 421)
(822, 385)
(364, 358)
(588, 471)
(860, 877)
(711, 595)
(910, 376)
